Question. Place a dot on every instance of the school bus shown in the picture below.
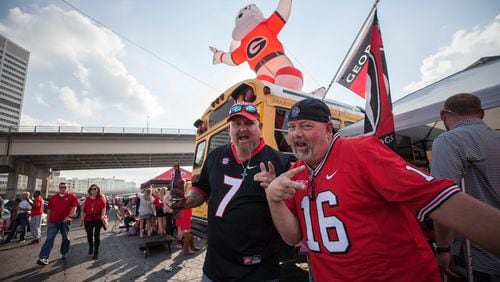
(273, 103)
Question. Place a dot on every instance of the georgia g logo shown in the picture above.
(255, 46)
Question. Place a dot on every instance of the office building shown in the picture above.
(13, 71)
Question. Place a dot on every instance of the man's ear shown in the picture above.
(481, 114)
(329, 128)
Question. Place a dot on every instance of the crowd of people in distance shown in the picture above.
(149, 216)
(25, 214)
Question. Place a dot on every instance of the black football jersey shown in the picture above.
(243, 243)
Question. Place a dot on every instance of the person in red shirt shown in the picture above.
(357, 204)
(160, 215)
(183, 223)
(62, 207)
(36, 217)
(93, 217)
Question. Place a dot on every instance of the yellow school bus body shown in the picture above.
(273, 103)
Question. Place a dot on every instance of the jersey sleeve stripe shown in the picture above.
(437, 201)
(276, 12)
(203, 193)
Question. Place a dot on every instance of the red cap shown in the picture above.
(246, 110)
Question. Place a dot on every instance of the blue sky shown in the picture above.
(82, 74)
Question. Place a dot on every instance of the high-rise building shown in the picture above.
(13, 69)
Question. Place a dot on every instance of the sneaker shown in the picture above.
(21, 241)
(42, 261)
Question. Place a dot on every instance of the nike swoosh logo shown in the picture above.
(251, 167)
(330, 176)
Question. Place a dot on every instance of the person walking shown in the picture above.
(22, 218)
(146, 212)
(62, 207)
(357, 204)
(243, 244)
(469, 151)
(36, 217)
(93, 218)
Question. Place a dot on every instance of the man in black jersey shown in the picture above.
(243, 243)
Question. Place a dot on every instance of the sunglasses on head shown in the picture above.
(247, 108)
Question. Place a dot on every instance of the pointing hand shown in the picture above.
(283, 187)
(264, 176)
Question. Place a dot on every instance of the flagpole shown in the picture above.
(374, 7)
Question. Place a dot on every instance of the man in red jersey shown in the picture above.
(356, 204)
(62, 207)
(36, 217)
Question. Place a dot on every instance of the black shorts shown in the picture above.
(159, 212)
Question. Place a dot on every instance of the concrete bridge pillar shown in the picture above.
(45, 187)
(31, 184)
(11, 191)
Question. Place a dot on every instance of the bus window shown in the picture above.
(281, 129)
(244, 93)
(220, 113)
(200, 148)
(347, 123)
(218, 139)
(336, 124)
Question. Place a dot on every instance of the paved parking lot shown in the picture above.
(119, 260)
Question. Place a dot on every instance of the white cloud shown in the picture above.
(465, 48)
(27, 120)
(83, 107)
(40, 100)
(64, 42)
(61, 122)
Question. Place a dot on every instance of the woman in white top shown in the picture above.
(146, 212)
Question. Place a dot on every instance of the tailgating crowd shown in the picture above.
(353, 203)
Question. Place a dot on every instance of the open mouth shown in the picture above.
(243, 138)
(300, 145)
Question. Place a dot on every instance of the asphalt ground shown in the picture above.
(120, 259)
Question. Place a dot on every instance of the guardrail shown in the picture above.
(97, 130)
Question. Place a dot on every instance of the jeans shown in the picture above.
(22, 220)
(52, 229)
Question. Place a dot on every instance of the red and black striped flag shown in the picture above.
(365, 73)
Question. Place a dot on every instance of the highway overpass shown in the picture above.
(37, 151)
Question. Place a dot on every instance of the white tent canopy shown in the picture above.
(415, 114)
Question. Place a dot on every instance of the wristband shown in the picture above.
(443, 250)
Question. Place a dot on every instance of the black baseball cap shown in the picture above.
(310, 109)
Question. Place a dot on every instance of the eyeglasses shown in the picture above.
(63, 187)
(247, 108)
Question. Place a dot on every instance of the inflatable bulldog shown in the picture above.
(255, 41)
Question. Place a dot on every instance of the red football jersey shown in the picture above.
(358, 214)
